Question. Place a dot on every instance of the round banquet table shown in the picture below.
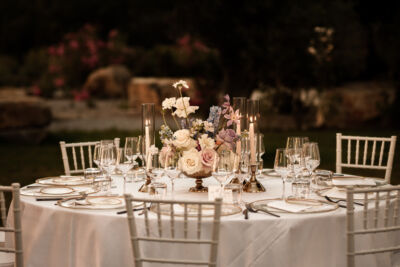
(62, 237)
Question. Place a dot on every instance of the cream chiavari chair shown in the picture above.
(370, 153)
(387, 203)
(78, 157)
(173, 237)
(6, 257)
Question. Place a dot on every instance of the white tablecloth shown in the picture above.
(61, 237)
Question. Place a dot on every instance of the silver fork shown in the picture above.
(251, 209)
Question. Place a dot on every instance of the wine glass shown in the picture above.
(172, 171)
(282, 166)
(125, 163)
(295, 142)
(96, 155)
(311, 156)
(223, 168)
(108, 158)
(133, 151)
(156, 169)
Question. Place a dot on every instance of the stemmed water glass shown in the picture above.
(295, 142)
(311, 157)
(223, 168)
(96, 155)
(125, 163)
(108, 158)
(172, 171)
(282, 167)
(133, 149)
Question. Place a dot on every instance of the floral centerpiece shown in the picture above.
(196, 142)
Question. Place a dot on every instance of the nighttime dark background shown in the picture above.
(256, 41)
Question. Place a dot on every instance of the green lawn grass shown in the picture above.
(24, 163)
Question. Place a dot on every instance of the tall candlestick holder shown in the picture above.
(253, 185)
(148, 133)
(253, 117)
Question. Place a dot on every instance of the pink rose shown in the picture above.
(207, 157)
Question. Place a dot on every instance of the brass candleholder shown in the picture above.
(253, 185)
(145, 188)
(236, 180)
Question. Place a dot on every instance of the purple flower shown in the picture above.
(228, 137)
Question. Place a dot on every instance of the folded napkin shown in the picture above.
(340, 193)
(353, 181)
(283, 205)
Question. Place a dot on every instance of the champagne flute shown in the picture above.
(156, 169)
(281, 166)
(133, 150)
(125, 163)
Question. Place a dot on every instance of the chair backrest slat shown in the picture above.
(357, 150)
(396, 209)
(16, 227)
(82, 157)
(3, 209)
(185, 223)
(157, 206)
(365, 152)
(172, 220)
(376, 210)
(373, 153)
(389, 198)
(365, 213)
(349, 152)
(74, 158)
(368, 156)
(90, 156)
(78, 165)
(381, 153)
(159, 220)
(199, 222)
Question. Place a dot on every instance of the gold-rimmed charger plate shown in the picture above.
(95, 203)
(56, 190)
(193, 210)
(339, 193)
(63, 181)
(38, 191)
(315, 206)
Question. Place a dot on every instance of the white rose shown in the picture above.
(168, 103)
(206, 142)
(183, 140)
(183, 107)
(208, 126)
(181, 83)
(190, 162)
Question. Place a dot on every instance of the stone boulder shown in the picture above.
(107, 82)
(23, 118)
(354, 104)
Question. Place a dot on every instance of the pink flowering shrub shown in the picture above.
(79, 53)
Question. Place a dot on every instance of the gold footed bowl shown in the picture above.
(199, 176)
